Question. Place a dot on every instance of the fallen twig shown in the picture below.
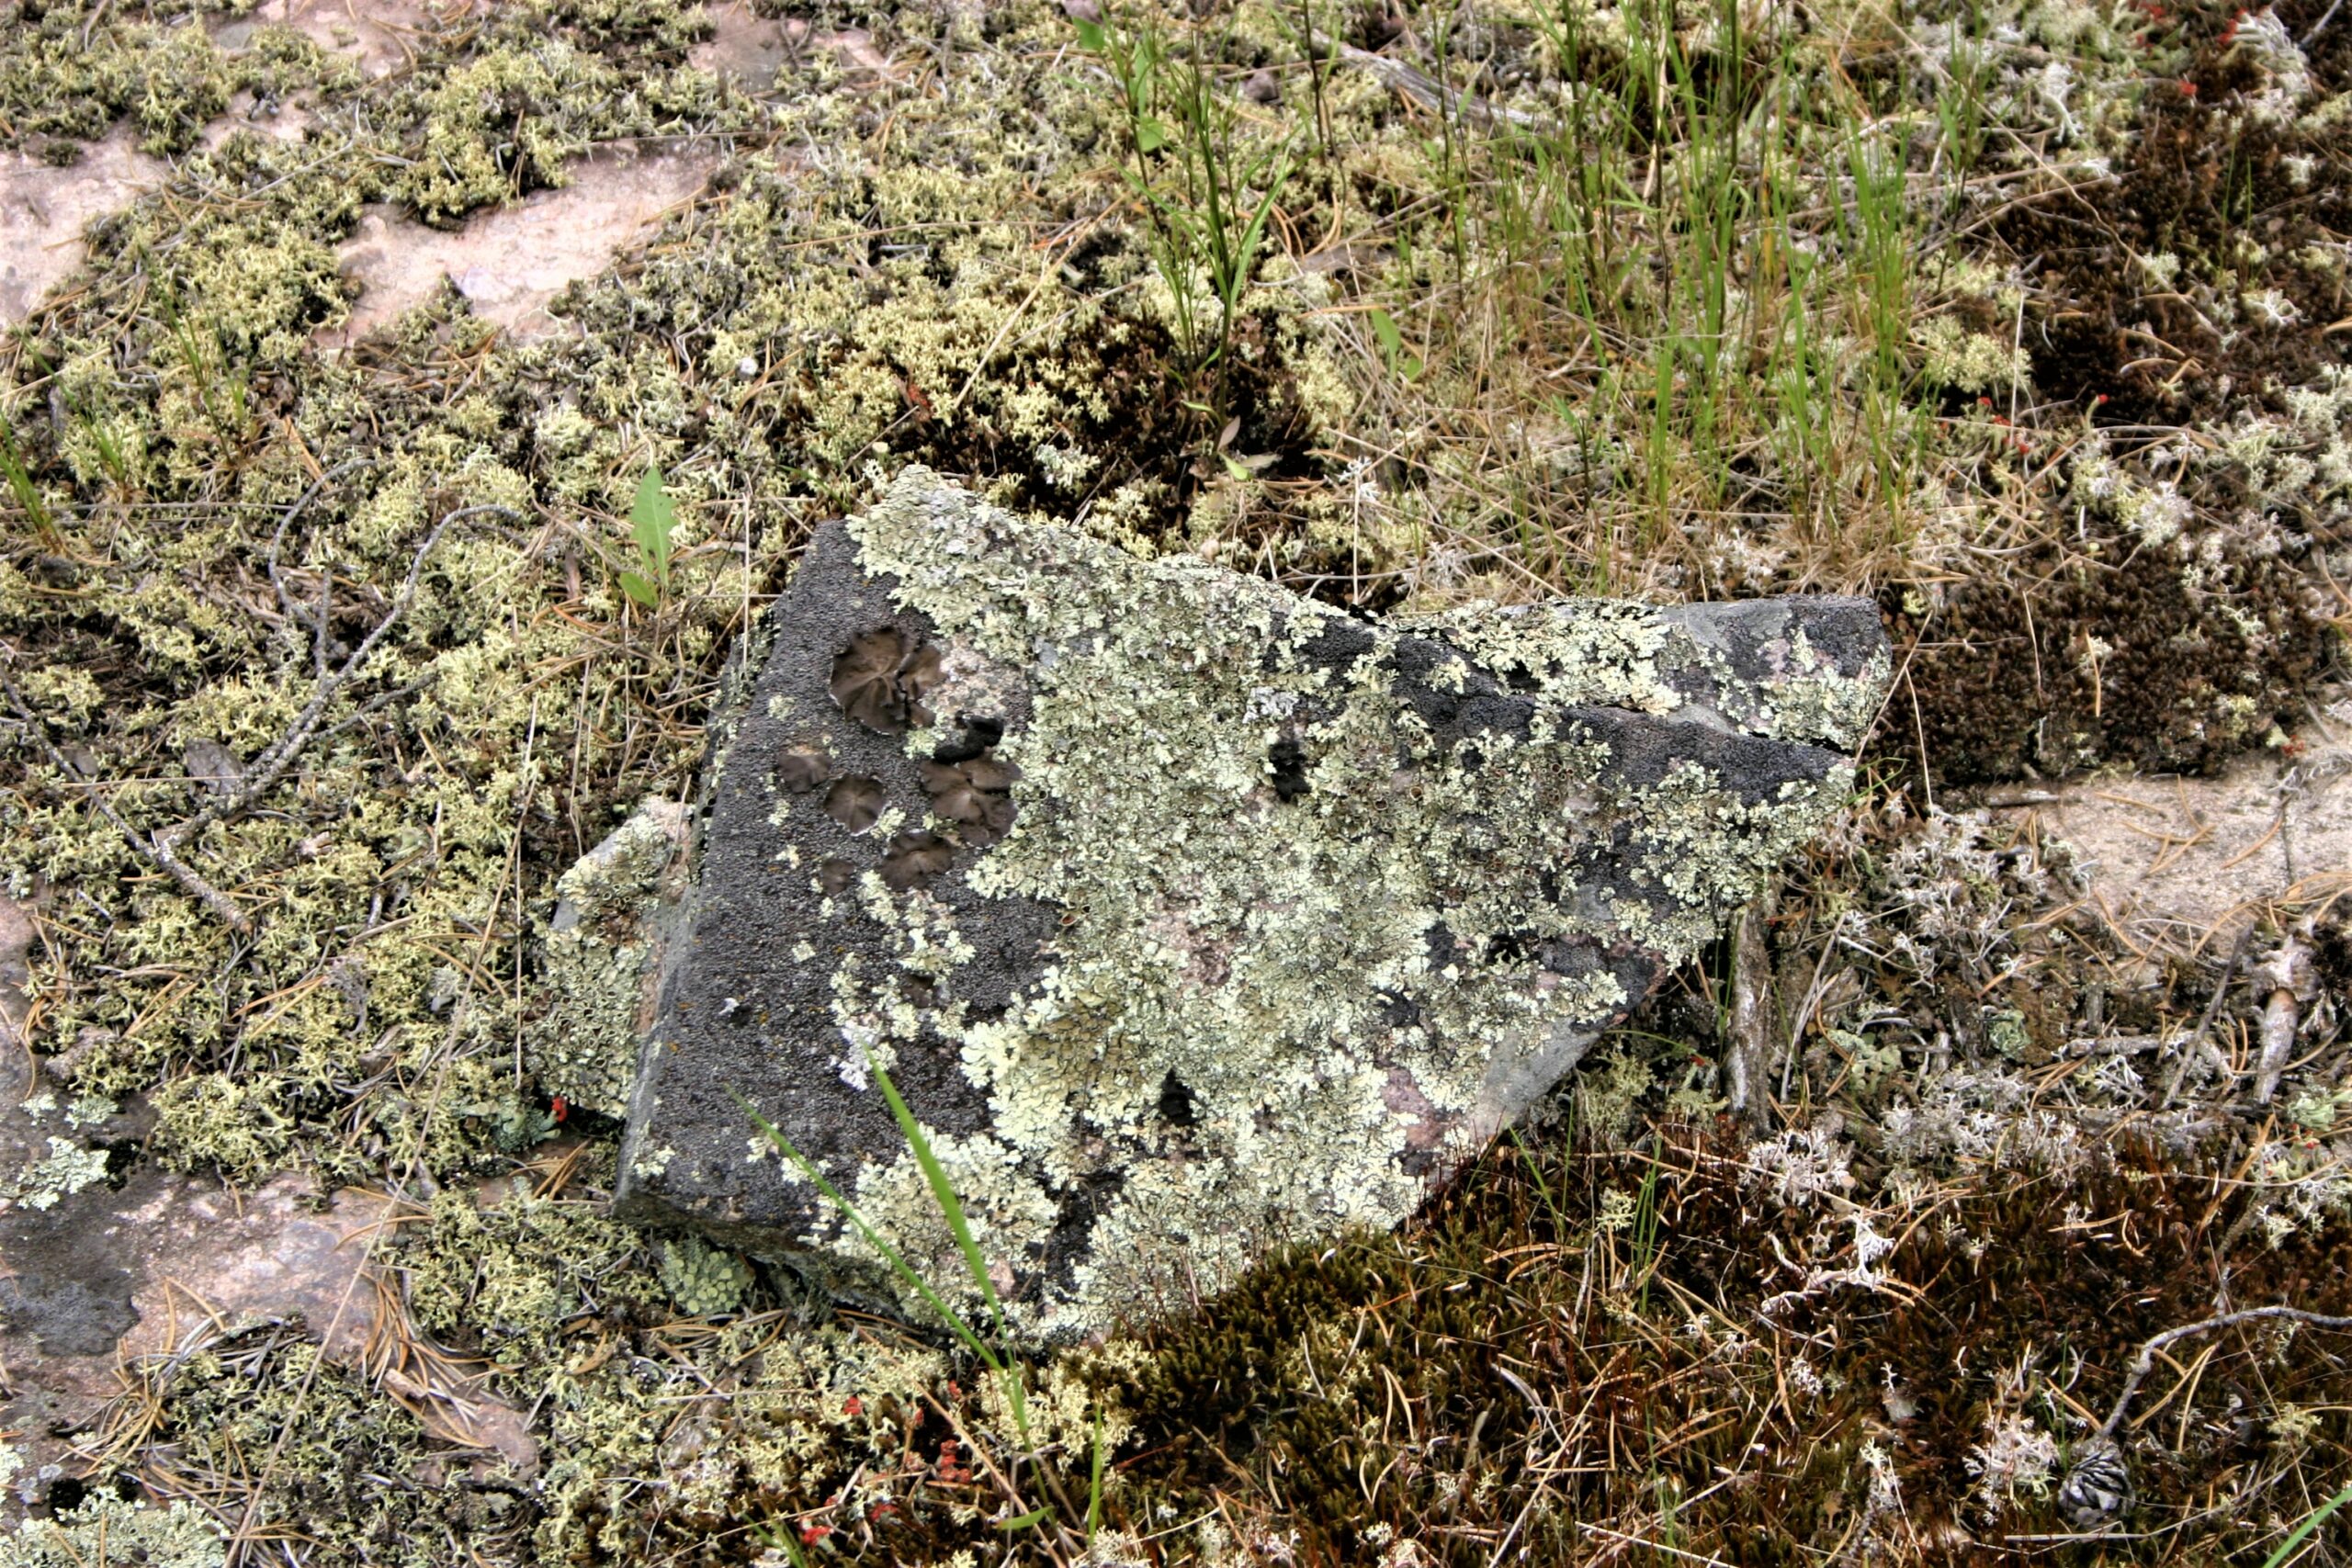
(2196, 1040)
(152, 847)
(274, 762)
(163, 847)
(2145, 1362)
(1751, 978)
(1427, 91)
(2289, 973)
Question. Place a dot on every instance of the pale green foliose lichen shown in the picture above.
(600, 942)
(104, 1528)
(1345, 984)
(64, 1170)
(701, 1279)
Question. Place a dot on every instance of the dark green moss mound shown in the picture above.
(1587, 1345)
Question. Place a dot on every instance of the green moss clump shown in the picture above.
(71, 69)
(703, 1279)
(213, 1120)
(502, 124)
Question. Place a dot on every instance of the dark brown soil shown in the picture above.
(2006, 685)
(2198, 179)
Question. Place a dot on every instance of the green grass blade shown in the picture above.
(941, 1190)
(950, 1208)
(948, 1315)
(1094, 1482)
(20, 483)
(2311, 1522)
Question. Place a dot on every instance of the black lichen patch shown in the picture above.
(1177, 1105)
(978, 734)
(857, 803)
(1287, 761)
(880, 677)
(914, 858)
(974, 794)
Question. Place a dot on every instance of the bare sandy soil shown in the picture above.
(2180, 863)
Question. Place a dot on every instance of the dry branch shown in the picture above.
(162, 847)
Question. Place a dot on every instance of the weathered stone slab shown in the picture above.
(1189, 914)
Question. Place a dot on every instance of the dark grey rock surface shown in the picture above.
(1188, 915)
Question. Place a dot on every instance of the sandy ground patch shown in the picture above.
(2185, 861)
(44, 207)
(375, 34)
(509, 262)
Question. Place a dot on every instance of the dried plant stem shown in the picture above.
(2288, 973)
(1751, 979)
(2144, 1362)
(162, 846)
(272, 764)
(2190, 1047)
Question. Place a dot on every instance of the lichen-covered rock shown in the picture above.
(1189, 914)
(602, 953)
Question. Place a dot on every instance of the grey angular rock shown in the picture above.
(1188, 915)
(614, 913)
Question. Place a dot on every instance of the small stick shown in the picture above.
(1751, 976)
(2212, 1011)
(278, 539)
(272, 764)
(154, 849)
(2289, 972)
(2145, 1362)
(163, 847)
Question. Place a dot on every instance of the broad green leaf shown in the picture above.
(652, 520)
(639, 589)
(1090, 35)
(1383, 327)
(1029, 1521)
(1150, 135)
